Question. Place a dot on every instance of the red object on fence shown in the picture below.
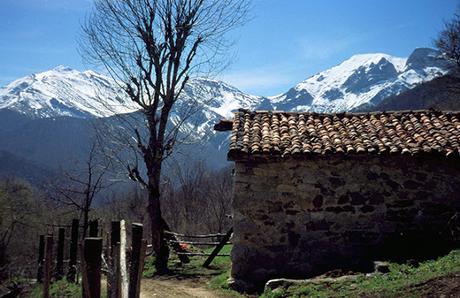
(184, 246)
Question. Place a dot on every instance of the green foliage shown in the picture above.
(149, 267)
(59, 289)
(396, 283)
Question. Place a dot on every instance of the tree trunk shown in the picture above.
(156, 222)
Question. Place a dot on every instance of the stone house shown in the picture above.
(315, 192)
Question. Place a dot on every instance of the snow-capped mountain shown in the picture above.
(63, 91)
(362, 79)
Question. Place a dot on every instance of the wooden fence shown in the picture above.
(123, 273)
(177, 239)
(96, 259)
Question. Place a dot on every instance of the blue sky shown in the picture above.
(285, 42)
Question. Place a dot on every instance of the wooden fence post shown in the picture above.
(72, 273)
(216, 250)
(47, 267)
(136, 245)
(123, 263)
(108, 263)
(141, 265)
(60, 254)
(41, 255)
(115, 290)
(92, 255)
(113, 278)
(93, 228)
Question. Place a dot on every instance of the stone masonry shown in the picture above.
(301, 217)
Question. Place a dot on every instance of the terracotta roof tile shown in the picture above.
(284, 134)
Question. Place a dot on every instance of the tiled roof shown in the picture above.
(283, 134)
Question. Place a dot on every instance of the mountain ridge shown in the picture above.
(363, 79)
(47, 118)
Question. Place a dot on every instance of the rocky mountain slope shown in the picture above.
(362, 80)
(440, 94)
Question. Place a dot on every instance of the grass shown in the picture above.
(61, 289)
(403, 280)
(58, 289)
(215, 276)
(195, 267)
(399, 282)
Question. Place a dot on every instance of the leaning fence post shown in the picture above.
(47, 267)
(41, 255)
(218, 248)
(136, 245)
(60, 254)
(123, 263)
(71, 274)
(92, 255)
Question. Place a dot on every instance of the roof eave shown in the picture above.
(223, 125)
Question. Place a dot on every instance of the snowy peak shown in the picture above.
(357, 66)
(63, 91)
(362, 79)
(375, 58)
(62, 68)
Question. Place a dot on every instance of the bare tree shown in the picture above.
(201, 196)
(448, 40)
(152, 48)
(79, 187)
(219, 205)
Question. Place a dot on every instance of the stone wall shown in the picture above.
(297, 218)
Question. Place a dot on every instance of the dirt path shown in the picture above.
(169, 287)
(444, 286)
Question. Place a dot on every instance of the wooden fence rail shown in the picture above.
(198, 243)
(195, 236)
(201, 254)
(223, 240)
